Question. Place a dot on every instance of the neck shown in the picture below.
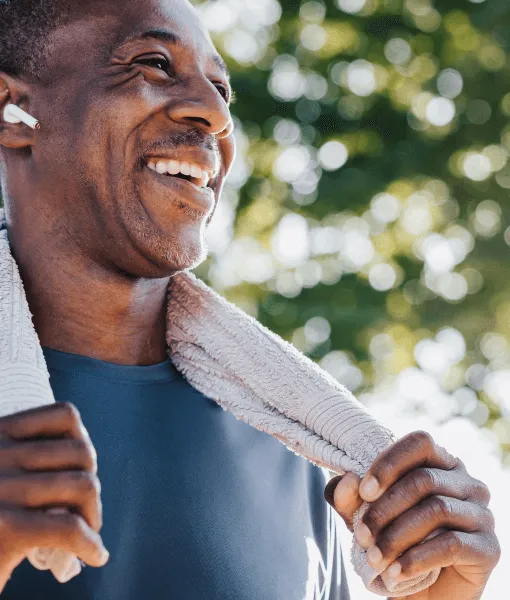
(83, 308)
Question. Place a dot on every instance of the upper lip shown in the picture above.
(196, 156)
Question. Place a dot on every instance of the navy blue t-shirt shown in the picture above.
(197, 505)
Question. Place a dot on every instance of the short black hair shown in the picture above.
(24, 29)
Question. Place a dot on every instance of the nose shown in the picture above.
(203, 107)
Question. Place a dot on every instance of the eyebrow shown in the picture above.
(169, 37)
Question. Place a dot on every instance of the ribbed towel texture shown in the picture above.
(233, 359)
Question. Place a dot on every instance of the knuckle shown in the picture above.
(87, 483)
(80, 446)
(440, 508)
(422, 439)
(458, 465)
(489, 518)
(74, 525)
(88, 454)
(72, 413)
(92, 457)
(482, 491)
(424, 481)
(496, 551)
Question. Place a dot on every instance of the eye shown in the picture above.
(159, 62)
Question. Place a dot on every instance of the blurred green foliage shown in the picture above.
(367, 218)
(409, 235)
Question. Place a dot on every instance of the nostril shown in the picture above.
(199, 120)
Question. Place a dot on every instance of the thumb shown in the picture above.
(342, 493)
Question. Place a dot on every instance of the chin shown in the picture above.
(171, 255)
(161, 235)
(155, 253)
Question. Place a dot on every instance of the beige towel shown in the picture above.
(233, 359)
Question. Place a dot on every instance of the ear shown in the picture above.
(14, 91)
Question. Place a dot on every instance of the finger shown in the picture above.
(79, 490)
(54, 420)
(23, 530)
(48, 455)
(412, 489)
(446, 550)
(343, 496)
(417, 449)
(416, 524)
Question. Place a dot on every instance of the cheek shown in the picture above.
(77, 148)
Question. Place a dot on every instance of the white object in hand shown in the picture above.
(14, 114)
(63, 565)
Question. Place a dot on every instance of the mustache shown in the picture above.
(183, 138)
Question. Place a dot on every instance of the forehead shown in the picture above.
(178, 16)
(96, 28)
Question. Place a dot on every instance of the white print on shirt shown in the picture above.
(319, 580)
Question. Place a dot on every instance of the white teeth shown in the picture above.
(185, 168)
(161, 166)
(173, 167)
(195, 171)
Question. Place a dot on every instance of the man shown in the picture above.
(104, 204)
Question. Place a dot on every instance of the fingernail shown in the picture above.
(374, 556)
(363, 535)
(369, 488)
(105, 555)
(394, 570)
(329, 490)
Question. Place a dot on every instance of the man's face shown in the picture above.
(118, 102)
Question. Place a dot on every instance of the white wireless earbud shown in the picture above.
(14, 114)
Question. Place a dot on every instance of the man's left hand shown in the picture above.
(416, 487)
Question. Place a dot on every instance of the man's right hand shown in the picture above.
(47, 460)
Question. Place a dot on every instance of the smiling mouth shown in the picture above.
(193, 172)
(191, 180)
(180, 185)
